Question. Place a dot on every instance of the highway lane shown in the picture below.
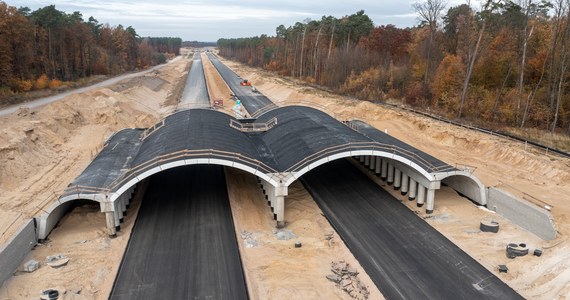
(183, 244)
(405, 257)
(252, 102)
(195, 93)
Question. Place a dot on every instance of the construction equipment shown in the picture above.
(245, 83)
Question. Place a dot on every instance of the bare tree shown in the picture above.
(429, 12)
(527, 4)
(487, 8)
(306, 22)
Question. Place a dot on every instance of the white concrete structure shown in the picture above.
(398, 169)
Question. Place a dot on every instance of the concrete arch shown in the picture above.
(52, 215)
(382, 154)
(468, 185)
(273, 179)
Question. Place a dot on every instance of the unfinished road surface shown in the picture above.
(405, 257)
(195, 93)
(183, 245)
(253, 102)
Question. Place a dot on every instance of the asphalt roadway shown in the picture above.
(252, 102)
(195, 93)
(405, 257)
(183, 244)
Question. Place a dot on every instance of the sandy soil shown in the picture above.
(274, 268)
(218, 89)
(93, 262)
(530, 174)
(44, 149)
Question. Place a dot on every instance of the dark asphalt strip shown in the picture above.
(183, 244)
(405, 257)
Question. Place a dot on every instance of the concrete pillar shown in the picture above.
(362, 158)
(421, 195)
(118, 216)
(430, 202)
(390, 179)
(280, 211)
(378, 166)
(279, 193)
(397, 178)
(384, 172)
(372, 162)
(271, 196)
(367, 160)
(110, 217)
(123, 203)
(413, 189)
(404, 189)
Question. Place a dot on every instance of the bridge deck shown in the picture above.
(302, 135)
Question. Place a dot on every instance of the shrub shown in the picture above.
(42, 82)
(54, 84)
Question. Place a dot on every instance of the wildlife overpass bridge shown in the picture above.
(278, 147)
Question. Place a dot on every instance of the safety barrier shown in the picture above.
(253, 127)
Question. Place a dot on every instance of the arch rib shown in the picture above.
(294, 175)
(273, 179)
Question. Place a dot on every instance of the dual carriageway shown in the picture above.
(183, 244)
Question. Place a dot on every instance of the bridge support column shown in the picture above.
(271, 198)
(372, 162)
(280, 192)
(421, 195)
(110, 217)
(430, 201)
(404, 189)
(378, 167)
(118, 215)
(123, 208)
(109, 208)
(397, 178)
(367, 160)
(413, 189)
(362, 158)
(390, 179)
(384, 172)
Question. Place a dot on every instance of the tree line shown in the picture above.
(45, 47)
(504, 63)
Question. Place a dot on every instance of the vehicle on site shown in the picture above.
(245, 83)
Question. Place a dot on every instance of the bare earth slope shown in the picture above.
(42, 150)
(508, 165)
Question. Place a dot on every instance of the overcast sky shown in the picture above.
(210, 20)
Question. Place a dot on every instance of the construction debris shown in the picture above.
(284, 234)
(514, 250)
(49, 294)
(31, 266)
(248, 239)
(503, 269)
(489, 226)
(345, 277)
(56, 261)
